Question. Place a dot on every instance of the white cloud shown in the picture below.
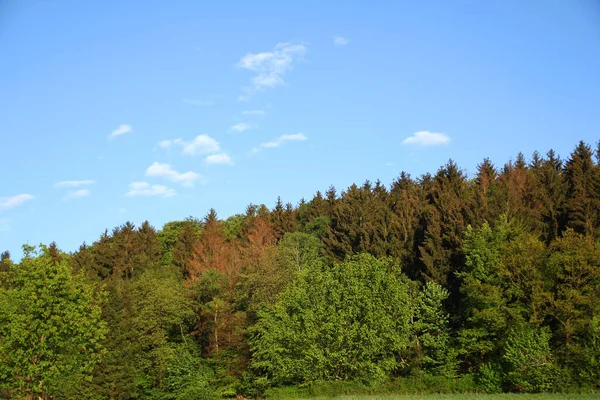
(219, 159)
(145, 189)
(270, 67)
(202, 144)
(278, 142)
(165, 144)
(165, 171)
(121, 130)
(72, 184)
(241, 127)
(340, 41)
(13, 201)
(199, 103)
(254, 112)
(426, 138)
(75, 194)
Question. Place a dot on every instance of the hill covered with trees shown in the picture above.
(483, 283)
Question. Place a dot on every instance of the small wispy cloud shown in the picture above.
(426, 138)
(270, 67)
(166, 171)
(254, 112)
(73, 184)
(121, 130)
(14, 201)
(241, 127)
(199, 103)
(145, 189)
(202, 144)
(75, 194)
(222, 158)
(340, 41)
(281, 140)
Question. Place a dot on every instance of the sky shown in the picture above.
(115, 111)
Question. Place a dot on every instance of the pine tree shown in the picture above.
(583, 192)
(486, 208)
(550, 193)
(446, 217)
(183, 250)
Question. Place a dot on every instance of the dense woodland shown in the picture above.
(444, 282)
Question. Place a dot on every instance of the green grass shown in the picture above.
(511, 396)
(422, 387)
(471, 397)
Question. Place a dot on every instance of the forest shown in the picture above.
(441, 283)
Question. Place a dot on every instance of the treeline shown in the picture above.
(441, 283)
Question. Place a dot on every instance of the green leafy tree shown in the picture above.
(484, 319)
(432, 332)
(528, 360)
(348, 322)
(297, 250)
(50, 328)
(161, 310)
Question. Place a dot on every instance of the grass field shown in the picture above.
(471, 397)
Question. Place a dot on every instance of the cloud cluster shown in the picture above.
(221, 158)
(73, 184)
(77, 193)
(270, 67)
(203, 145)
(426, 138)
(145, 189)
(14, 201)
(280, 141)
(121, 130)
(340, 41)
(240, 127)
(165, 171)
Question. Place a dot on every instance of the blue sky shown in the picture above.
(128, 110)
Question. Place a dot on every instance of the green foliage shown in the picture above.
(484, 300)
(168, 237)
(50, 327)
(574, 267)
(346, 322)
(503, 286)
(528, 360)
(188, 377)
(210, 308)
(490, 377)
(161, 311)
(297, 250)
(432, 332)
